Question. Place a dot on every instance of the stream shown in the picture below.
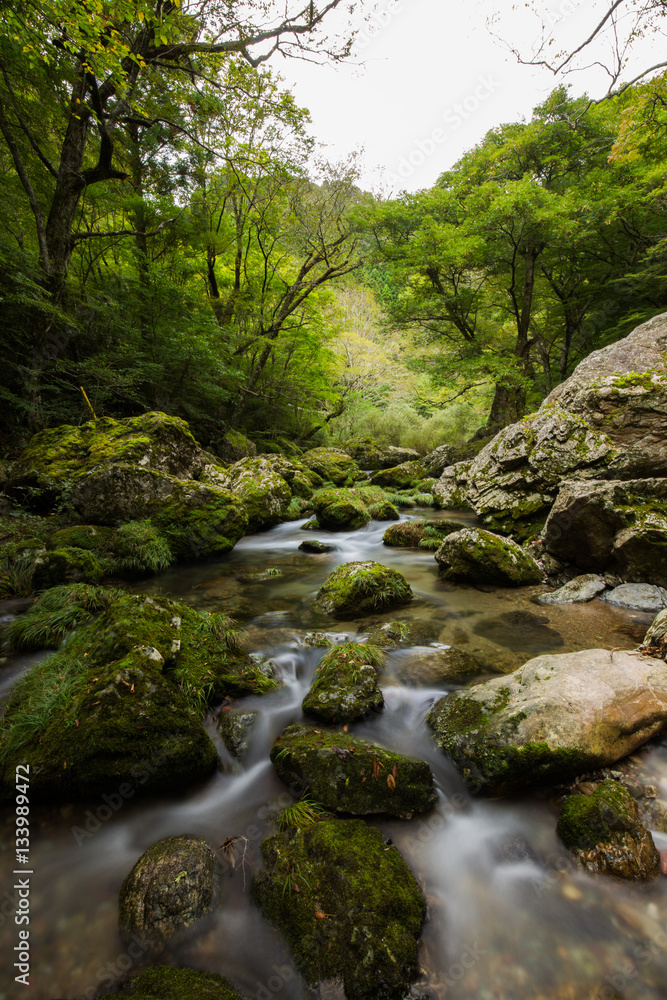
(510, 917)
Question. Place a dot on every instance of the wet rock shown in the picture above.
(387, 635)
(450, 490)
(234, 728)
(168, 890)
(429, 666)
(521, 631)
(554, 718)
(321, 640)
(617, 526)
(402, 477)
(316, 547)
(333, 465)
(351, 910)
(477, 556)
(359, 588)
(345, 686)
(638, 597)
(413, 533)
(578, 591)
(604, 422)
(604, 831)
(264, 493)
(133, 683)
(164, 982)
(383, 511)
(350, 775)
(340, 510)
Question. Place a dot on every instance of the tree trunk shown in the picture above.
(508, 406)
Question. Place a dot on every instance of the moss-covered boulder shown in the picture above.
(333, 465)
(347, 905)
(263, 491)
(556, 717)
(94, 537)
(196, 519)
(365, 452)
(477, 556)
(55, 458)
(345, 686)
(163, 982)
(340, 510)
(169, 889)
(359, 588)
(441, 458)
(411, 534)
(384, 511)
(121, 702)
(314, 547)
(394, 455)
(57, 611)
(61, 566)
(234, 446)
(350, 775)
(301, 480)
(604, 832)
(406, 476)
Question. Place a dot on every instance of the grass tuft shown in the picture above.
(55, 613)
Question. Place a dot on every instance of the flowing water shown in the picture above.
(510, 917)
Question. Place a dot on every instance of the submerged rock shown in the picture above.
(345, 686)
(638, 597)
(315, 547)
(479, 556)
(340, 510)
(168, 890)
(520, 630)
(359, 588)
(604, 832)
(578, 591)
(431, 666)
(164, 982)
(347, 905)
(552, 719)
(350, 775)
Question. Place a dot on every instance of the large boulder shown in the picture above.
(556, 717)
(604, 832)
(451, 489)
(197, 519)
(477, 556)
(121, 702)
(365, 452)
(300, 479)
(333, 465)
(345, 686)
(263, 491)
(168, 890)
(638, 597)
(350, 775)
(617, 526)
(605, 422)
(420, 532)
(347, 905)
(402, 477)
(360, 588)
(55, 458)
(234, 446)
(439, 459)
(340, 510)
(393, 456)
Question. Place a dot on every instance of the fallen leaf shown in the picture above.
(391, 782)
(376, 768)
(395, 771)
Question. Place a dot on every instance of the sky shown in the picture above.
(428, 79)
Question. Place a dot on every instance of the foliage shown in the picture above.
(300, 814)
(55, 613)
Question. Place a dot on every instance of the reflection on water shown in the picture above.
(510, 918)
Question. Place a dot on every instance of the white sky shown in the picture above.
(433, 70)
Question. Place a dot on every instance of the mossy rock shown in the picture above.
(234, 728)
(476, 556)
(350, 775)
(60, 566)
(373, 907)
(169, 888)
(383, 511)
(54, 613)
(402, 477)
(315, 547)
(345, 686)
(360, 588)
(410, 534)
(301, 480)
(389, 635)
(263, 491)
(340, 510)
(138, 548)
(122, 701)
(604, 832)
(162, 982)
(81, 536)
(365, 452)
(234, 446)
(57, 457)
(333, 465)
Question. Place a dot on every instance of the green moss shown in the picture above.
(349, 775)
(345, 685)
(139, 548)
(81, 536)
(296, 509)
(263, 491)
(332, 465)
(347, 905)
(604, 816)
(162, 982)
(55, 613)
(482, 557)
(201, 524)
(66, 566)
(339, 510)
(383, 511)
(358, 588)
(407, 476)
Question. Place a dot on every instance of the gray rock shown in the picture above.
(638, 597)
(392, 456)
(655, 640)
(169, 888)
(264, 492)
(234, 728)
(578, 591)
(450, 490)
(434, 666)
(439, 459)
(482, 557)
(554, 718)
(345, 685)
